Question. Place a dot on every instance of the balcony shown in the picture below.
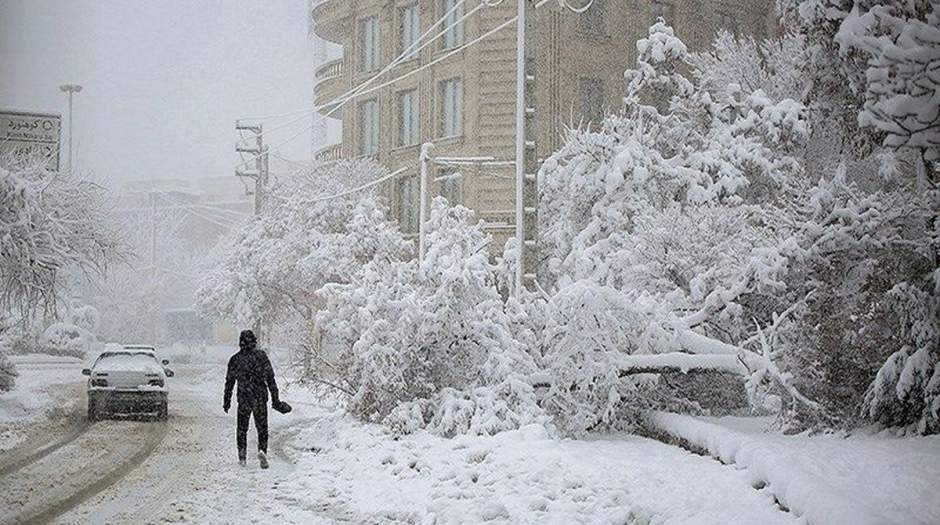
(329, 86)
(331, 69)
(329, 153)
(329, 19)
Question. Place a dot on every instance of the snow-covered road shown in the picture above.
(328, 468)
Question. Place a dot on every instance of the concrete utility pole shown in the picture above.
(526, 162)
(260, 175)
(71, 89)
(423, 203)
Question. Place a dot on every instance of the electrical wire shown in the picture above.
(341, 100)
(366, 186)
(190, 208)
(405, 54)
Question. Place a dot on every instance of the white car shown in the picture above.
(127, 381)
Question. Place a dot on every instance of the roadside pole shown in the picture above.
(260, 176)
(423, 205)
(526, 162)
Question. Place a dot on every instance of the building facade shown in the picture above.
(465, 103)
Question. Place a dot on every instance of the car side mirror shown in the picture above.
(168, 372)
(165, 362)
(86, 371)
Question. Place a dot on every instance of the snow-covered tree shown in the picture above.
(50, 223)
(314, 231)
(878, 58)
(871, 64)
(431, 347)
(663, 243)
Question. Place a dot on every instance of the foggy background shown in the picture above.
(163, 80)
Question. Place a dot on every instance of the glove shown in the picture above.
(226, 405)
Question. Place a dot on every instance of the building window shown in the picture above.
(408, 195)
(594, 20)
(452, 187)
(408, 117)
(451, 92)
(664, 10)
(368, 127)
(453, 37)
(592, 99)
(727, 21)
(369, 44)
(409, 26)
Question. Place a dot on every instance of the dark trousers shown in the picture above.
(260, 411)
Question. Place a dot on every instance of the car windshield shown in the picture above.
(116, 361)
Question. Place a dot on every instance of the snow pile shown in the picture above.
(47, 388)
(362, 473)
(855, 480)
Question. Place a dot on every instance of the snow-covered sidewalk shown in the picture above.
(828, 479)
(47, 391)
(360, 473)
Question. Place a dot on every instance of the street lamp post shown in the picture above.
(71, 89)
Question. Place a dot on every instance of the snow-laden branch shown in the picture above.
(677, 362)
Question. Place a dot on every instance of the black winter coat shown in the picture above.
(253, 372)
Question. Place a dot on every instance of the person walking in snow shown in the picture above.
(252, 370)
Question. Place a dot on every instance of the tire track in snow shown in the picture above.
(59, 474)
(22, 458)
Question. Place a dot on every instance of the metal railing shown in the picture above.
(331, 69)
(332, 152)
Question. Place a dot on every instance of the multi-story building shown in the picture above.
(465, 104)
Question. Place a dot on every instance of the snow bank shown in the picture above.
(828, 479)
(45, 389)
(366, 474)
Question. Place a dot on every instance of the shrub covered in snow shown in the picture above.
(65, 339)
(430, 340)
(8, 339)
(906, 391)
(8, 373)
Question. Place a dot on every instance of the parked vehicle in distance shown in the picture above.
(128, 381)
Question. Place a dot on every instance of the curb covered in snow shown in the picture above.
(816, 498)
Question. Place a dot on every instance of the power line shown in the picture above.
(341, 100)
(360, 188)
(223, 223)
(405, 54)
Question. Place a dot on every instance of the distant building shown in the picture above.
(208, 205)
(466, 104)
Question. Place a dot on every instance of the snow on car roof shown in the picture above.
(139, 347)
(129, 361)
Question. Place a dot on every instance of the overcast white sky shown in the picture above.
(164, 80)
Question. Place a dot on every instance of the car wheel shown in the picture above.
(92, 411)
(163, 412)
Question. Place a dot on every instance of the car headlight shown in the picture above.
(99, 381)
(156, 382)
